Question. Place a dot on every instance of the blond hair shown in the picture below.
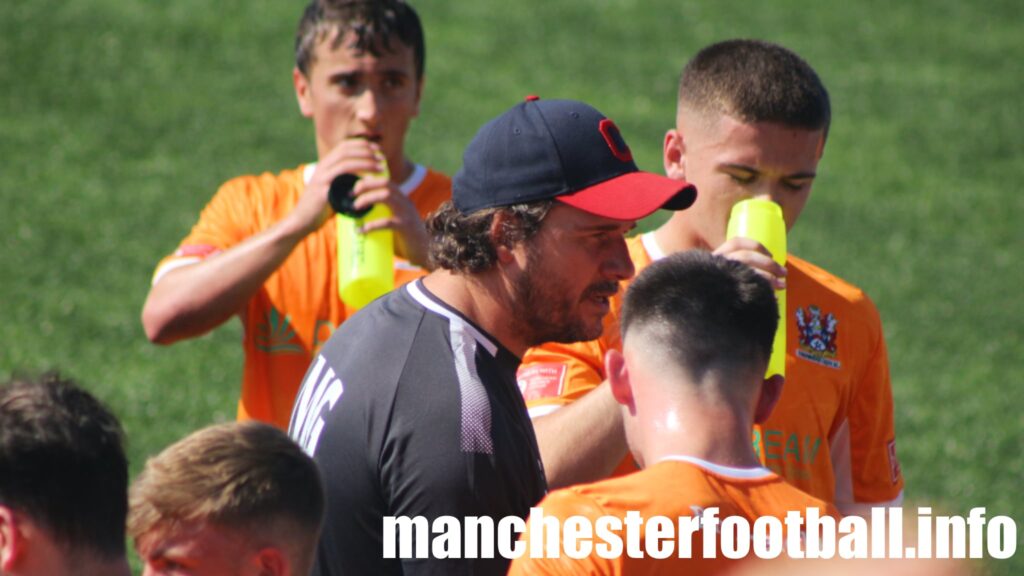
(246, 477)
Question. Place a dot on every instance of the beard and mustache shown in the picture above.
(544, 308)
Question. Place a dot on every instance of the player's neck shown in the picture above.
(479, 298)
(401, 168)
(676, 235)
(716, 434)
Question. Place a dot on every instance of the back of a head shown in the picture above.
(246, 477)
(62, 463)
(704, 314)
(755, 81)
(377, 24)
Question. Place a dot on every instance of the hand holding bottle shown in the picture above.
(365, 258)
(762, 220)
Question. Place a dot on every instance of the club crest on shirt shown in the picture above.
(817, 336)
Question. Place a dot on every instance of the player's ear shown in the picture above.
(11, 542)
(271, 561)
(673, 154)
(302, 92)
(618, 378)
(771, 391)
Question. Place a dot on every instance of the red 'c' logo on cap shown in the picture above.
(614, 139)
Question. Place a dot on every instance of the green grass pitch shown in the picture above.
(119, 118)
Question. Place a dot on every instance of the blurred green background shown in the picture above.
(119, 119)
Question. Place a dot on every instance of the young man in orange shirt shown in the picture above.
(234, 498)
(751, 122)
(264, 248)
(697, 332)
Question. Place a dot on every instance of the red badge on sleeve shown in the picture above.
(538, 381)
(197, 250)
(894, 463)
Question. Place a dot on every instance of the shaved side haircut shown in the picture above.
(755, 81)
(705, 312)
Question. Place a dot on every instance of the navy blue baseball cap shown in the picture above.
(562, 150)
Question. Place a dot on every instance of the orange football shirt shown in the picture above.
(674, 488)
(297, 308)
(832, 433)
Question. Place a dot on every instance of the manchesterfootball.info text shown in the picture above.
(800, 534)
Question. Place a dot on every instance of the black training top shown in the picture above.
(412, 410)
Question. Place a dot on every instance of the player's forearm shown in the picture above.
(194, 299)
(583, 441)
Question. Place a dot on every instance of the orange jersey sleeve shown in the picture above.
(297, 308)
(227, 219)
(874, 476)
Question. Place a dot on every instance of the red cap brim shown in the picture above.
(632, 196)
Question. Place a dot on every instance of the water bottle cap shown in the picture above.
(341, 198)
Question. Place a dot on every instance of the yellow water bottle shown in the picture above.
(762, 220)
(365, 261)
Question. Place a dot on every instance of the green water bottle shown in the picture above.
(762, 220)
(365, 261)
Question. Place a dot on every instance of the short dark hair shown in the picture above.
(462, 242)
(755, 81)
(709, 312)
(248, 477)
(374, 22)
(62, 463)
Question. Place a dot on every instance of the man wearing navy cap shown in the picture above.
(411, 408)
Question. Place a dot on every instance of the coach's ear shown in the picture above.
(618, 378)
(771, 391)
(504, 249)
(10, 540)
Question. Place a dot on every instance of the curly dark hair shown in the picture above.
(462, 242)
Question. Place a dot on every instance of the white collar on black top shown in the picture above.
(419, 294)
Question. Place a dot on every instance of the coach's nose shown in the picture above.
(618, 265)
